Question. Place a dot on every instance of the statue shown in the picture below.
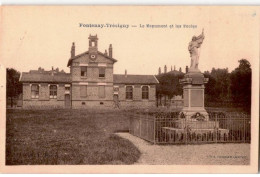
(193, 48)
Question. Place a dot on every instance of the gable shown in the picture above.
(84, 59)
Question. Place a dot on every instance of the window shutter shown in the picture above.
(101, 91)
(83, 91)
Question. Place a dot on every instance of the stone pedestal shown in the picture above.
(182, 124)
(193, 124)
(193, 95)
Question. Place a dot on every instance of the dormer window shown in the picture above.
(84, 71)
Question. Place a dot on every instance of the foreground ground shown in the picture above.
(204, 154)
(68, 137)
(91, 137)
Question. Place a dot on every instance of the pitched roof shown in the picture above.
(84, 53)
(45, 77)
(135, 79)
(175, 72)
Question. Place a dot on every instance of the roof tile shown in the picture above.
(46, 77)
(135, 79)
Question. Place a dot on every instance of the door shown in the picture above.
(67, 101)
(116, 102)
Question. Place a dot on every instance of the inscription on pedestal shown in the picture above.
(196, 98)
(186, 98)
(198, 80)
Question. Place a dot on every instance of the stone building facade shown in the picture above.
(90, 84)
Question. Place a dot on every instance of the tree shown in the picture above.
(241, 79)
(210, 94)
(217, 89)
(169, 84)
(13, 86)
(222, 83)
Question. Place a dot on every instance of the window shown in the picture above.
(53, 91)
(84, 70)
(35, 91)
(83, 91)
(129, 92)
(145, 92)
(101, 91)
(67, 89)
(102, 72)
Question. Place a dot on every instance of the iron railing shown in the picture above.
(162, 128)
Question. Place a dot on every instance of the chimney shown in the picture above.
(52, 71)
(180, 69)
(187, 69)
(105, 53)
(110, 50)
(174, 68)
(159, 71)
(165, 69)
(171, 68)
(72, 52)
(125, 73)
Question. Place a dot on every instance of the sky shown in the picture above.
(33, 37)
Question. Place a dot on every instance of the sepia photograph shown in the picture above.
(129, 89)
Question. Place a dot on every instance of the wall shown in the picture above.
(137, 104)
(137, 101)
(44, 100)
(43, 104)
(93, 104)
(93, 69)
(137, 92)
(92, 93)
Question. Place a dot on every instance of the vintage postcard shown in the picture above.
(129, 89)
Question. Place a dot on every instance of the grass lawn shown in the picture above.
(68, 137)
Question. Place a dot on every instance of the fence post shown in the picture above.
(140, 125)
(130, 122)
(216, 130)
(244, 126)
(147, 131)
(185, 131)
(154, 130)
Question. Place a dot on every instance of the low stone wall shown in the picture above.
(137, 104)
(111, 104)
(92, 104)
(103, 104)
(30, 104)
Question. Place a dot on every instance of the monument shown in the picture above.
(193, 117)
(193, 83)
